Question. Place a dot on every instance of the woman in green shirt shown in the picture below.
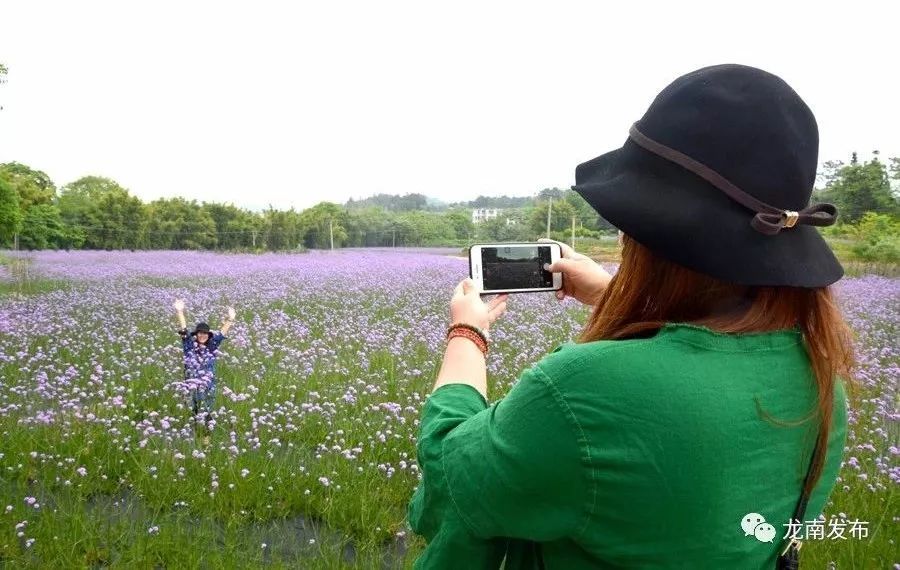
(679, 430)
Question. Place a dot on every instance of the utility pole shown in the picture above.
(573, 232)
(331, 232)
(394, 237)
(549, 210)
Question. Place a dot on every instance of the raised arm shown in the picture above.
(229, 320)
(179, 312)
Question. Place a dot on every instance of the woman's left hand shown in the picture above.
(467, 307)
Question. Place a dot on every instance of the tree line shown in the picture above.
(95, 212)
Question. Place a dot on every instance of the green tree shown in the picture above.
(425, 229)
(102, 214)
(371, 227)
(35, 193)
(391, 202)
(503, 202)
(77, 204)
(547, 193)
(10, 212)
(175, 223)
(830, 172)
(505, 228)
(32, 186)
(859, 188)
(878, 238)
(42, 228)
(561, 214)
(461, 221)
(894, 169)
(248, 228)
(236, 228)
(283, 230)
(585, 215)
(318, 224)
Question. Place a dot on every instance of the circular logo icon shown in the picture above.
(749, 522)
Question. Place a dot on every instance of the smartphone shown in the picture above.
(514, 267)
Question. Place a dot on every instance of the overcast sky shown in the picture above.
(289, 104)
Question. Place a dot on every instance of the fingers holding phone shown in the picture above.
(583, 278)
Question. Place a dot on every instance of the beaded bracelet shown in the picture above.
(466, 332)
(477, 330)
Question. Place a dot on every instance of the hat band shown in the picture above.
(768, 220)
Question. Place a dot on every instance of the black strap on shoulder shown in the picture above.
(539, 555)
(800, 510)
(790, 557)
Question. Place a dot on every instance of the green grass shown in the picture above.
(31, 287)
(22, 281)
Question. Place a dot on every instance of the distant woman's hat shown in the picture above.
(717, 176)
(201, 327)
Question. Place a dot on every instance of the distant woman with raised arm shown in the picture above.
(200, 351)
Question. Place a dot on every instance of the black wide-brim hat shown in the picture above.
(717, 176)
(201, 327)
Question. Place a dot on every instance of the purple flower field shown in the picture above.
(311, 453)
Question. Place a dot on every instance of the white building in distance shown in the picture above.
(484, 214)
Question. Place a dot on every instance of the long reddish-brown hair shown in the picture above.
(649, 291)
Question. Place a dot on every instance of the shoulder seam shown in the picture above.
(574, 362)
(578, 430)
(581, 439)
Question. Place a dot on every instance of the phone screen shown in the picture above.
(516, 267)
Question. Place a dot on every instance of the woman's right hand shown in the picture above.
(583, 278)
(179, 305)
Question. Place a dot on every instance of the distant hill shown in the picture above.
(392, 202)
(412, 202)
(500, 202)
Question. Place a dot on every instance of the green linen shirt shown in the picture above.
(640, 453)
